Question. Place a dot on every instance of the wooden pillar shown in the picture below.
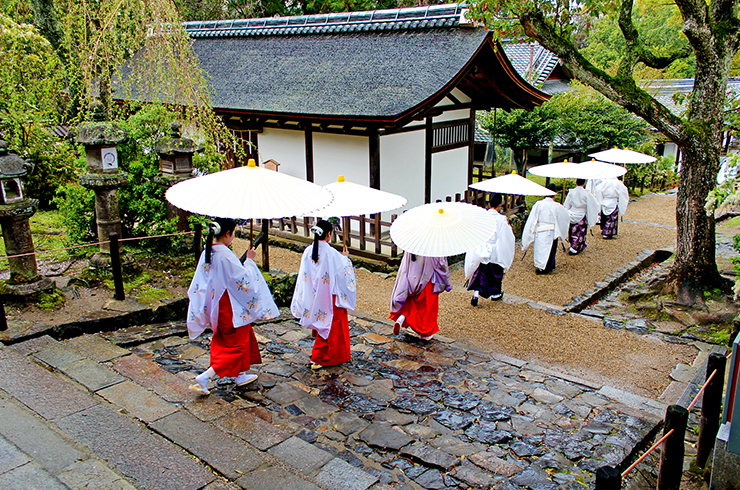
(265, 246)
(309, 151)
(471, 145)
(711, 408)
(671, 457)
(429, 141)
(374, 149)
(115, 265)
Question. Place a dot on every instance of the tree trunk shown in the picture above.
(694, 268)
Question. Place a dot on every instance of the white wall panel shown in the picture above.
(285, 146)
(337, 154)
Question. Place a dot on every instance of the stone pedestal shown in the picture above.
(107, 215)
(726, 464)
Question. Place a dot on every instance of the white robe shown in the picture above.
(579, 203)
(548, 221)
(248, 292)
(612, 193)
(317, 282)
(499, 249)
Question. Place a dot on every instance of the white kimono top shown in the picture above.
(612, 193)
(579, 203)
(317, 283)
(547, 221)
(499, 249)
(248, 292)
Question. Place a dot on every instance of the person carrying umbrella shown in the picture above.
(227, 296)
(548, 221)
(415, 298)
(486, 265)
(325, 289)
(614, 197)
(584, 210)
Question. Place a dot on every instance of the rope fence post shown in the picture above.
(608, 478)
(671, 457)
(198, 241)
(711, 407)
(3, 320)
(115, 265)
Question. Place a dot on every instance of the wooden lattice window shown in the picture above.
(450, 134)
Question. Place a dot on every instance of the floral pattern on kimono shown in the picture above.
(332, 276)
(248, 292)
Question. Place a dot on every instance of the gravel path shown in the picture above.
(568, 343)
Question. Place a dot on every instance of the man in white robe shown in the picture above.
(486, 265)
(548, 221)
(584, 211)
(613, 197)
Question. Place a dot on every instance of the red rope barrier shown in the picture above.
(632, 466)
(696, 398)
(94, 244)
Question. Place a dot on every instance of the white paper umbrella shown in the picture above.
(513, 184)
(248, 192)
(594, 169)
(616, 155)
(443, 229)
(352, 199)
(557, 170)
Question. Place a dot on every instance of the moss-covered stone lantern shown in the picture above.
(103, 176)
(175, 165)
(15, 210)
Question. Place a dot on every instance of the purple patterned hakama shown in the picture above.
(609, 224)
(577, 235)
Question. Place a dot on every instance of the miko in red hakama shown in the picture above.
(335, 349)
(233, 350)
(421, 312)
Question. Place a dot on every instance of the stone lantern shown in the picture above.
(100, 138)
(15, 210)
(175, 165)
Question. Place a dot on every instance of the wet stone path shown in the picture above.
(403, 413)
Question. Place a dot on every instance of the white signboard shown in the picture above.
(109, 157)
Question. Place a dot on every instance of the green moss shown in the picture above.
(147, 294)
(51, 300)
(720, 335)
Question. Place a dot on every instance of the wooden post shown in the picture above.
(457, 197)
(377, 233)
(608, 478)
(198, 241)
(306, 228)
(115, 265)
(346, 237)
(362, 232)
(3, 320)
(711, 408)
(671, 456)
(394, 248)
(265, 245)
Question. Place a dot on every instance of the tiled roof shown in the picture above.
(664, 90)
(482, 136)
(531, 60)
(384, 64)
(426, 17)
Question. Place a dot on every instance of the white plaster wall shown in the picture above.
(285, 146)
(453, 115)
(449, 173)
(337, 154)
(402, 167)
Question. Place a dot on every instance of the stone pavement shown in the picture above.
(403, 414)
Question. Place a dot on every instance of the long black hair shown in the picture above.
(320, 231)
(217, 228)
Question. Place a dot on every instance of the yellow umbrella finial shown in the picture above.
(341, 178)
(441, 211)
(251, 163)
(513, 172)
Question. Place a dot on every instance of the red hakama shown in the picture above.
(336, 348)
(233, 350)
(421, 312)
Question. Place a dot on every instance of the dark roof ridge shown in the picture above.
(423, 17)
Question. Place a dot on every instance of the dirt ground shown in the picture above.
(567, 343)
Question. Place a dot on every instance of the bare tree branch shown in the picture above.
(622, 90)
